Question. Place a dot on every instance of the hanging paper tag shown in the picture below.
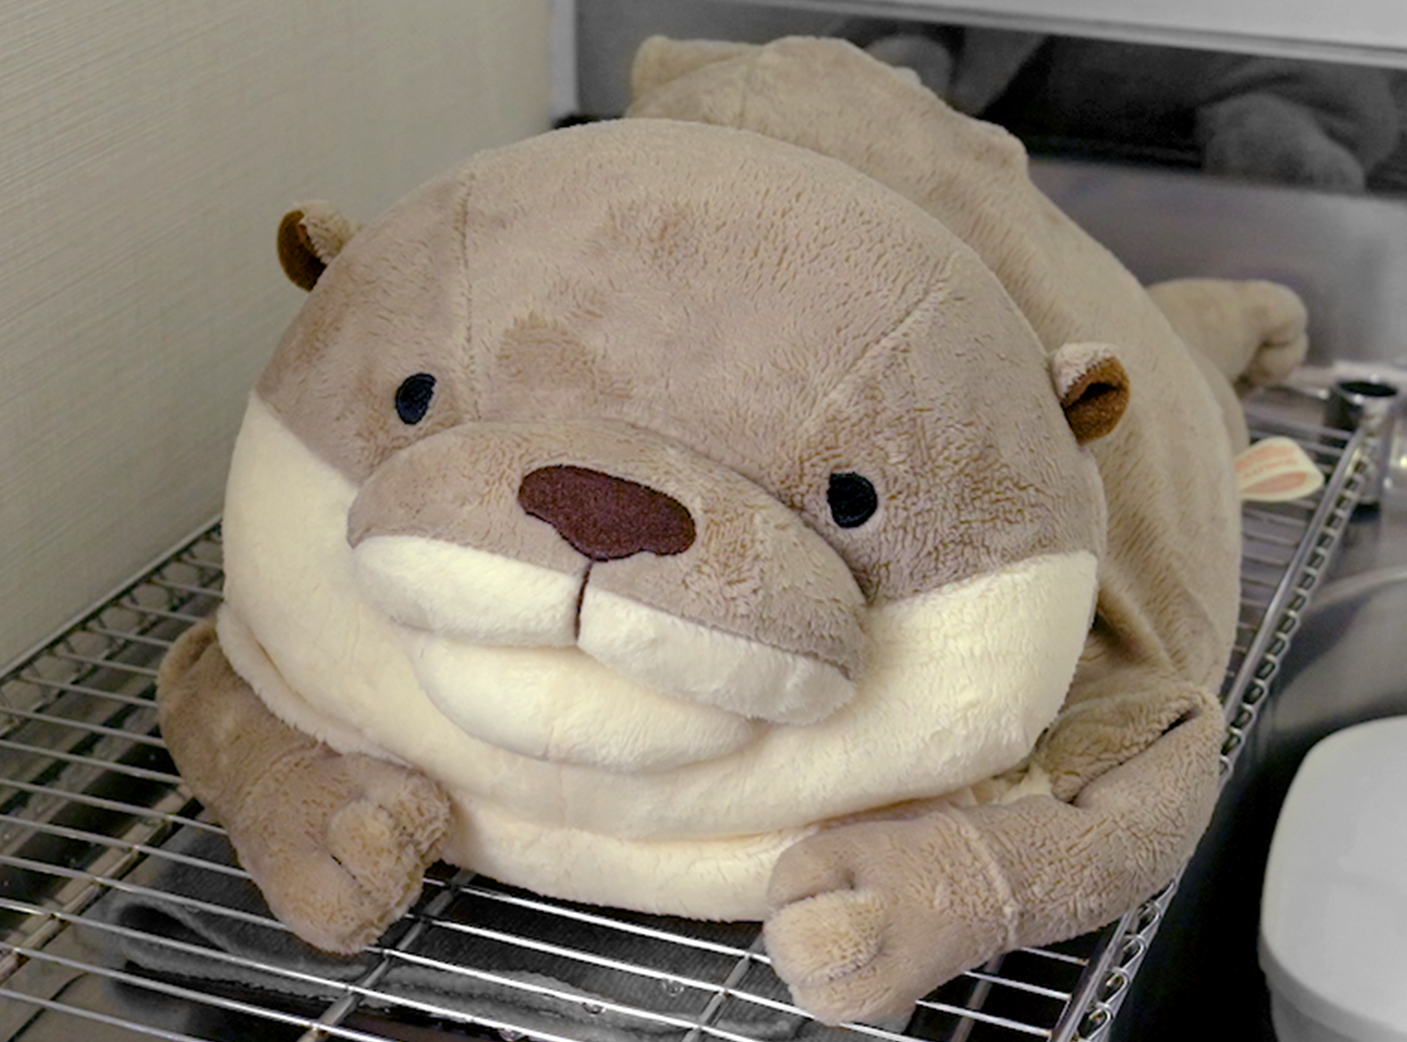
(1275, 470)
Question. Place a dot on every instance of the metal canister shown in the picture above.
(1372, 405)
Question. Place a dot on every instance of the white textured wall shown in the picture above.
(147, 151)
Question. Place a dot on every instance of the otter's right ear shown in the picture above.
(308, 238)
(1093, 388)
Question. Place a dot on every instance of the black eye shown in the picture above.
(413, 397)
(852, 500)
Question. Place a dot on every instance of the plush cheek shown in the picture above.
(933, 510)
(356, 403)
(294, 622)
(398, 405)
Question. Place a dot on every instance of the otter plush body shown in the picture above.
(765, 506)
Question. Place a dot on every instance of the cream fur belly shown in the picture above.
(962, 681)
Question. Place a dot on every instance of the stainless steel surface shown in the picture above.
(1345, 255)
(609, 31)
(1161, 25)
(91, 814)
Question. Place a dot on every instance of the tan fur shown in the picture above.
(845, 276)
(693, 345)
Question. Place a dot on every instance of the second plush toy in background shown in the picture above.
(1305, 123)
(765, 506)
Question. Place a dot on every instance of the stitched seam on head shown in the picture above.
(745, 89)
(936, 277)
(471, 360)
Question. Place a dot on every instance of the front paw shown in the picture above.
(867, 919)
(340, 849)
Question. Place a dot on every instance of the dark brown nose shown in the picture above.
(606, 518)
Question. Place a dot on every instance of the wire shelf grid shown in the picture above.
(93, 816)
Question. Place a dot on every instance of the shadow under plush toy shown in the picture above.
(765, 506)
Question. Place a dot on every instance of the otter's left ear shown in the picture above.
(308, 238)
(1092, 386)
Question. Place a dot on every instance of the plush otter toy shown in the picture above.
(765, 506)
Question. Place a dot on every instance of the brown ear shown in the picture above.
(1093, 388)
(308, 238)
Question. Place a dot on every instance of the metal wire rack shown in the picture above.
(106, 873)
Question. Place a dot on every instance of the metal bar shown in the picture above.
(113, 882)
(1311, 435)
(104, 663)
(548, 948)
(1019, 985)
(980, 1017)
(1046, 953)
(159, 613)
(88, 761)
(595, 919)
(191, 588)
(166, 988)
(102, 803)
(1329, 503)
(78, 725)
(127, 635)
(72, 687)
(117, 843)
(1272, 519)
(1267, 562)
(203, 563)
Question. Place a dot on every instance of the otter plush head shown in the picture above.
(663, 491)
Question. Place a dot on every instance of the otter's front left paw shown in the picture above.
(346, 857)
(867, 920)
